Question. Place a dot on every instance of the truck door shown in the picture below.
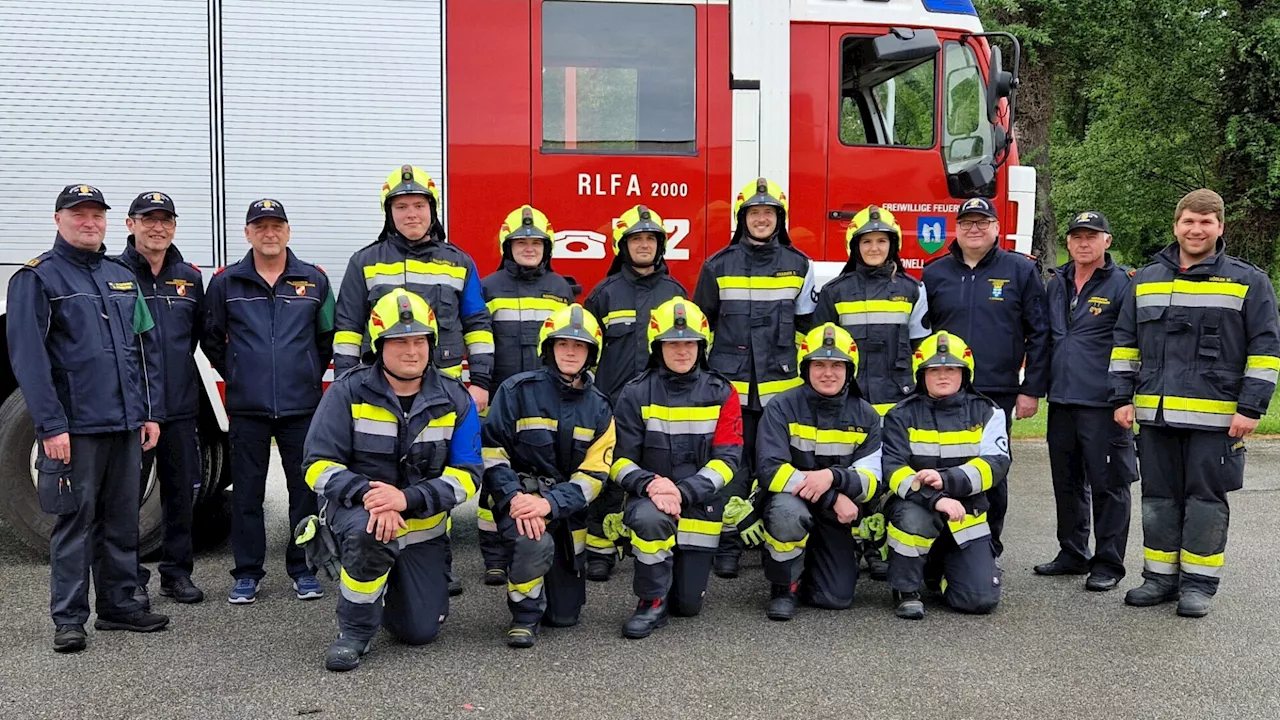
(619, 118)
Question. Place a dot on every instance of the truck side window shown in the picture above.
(966, 134)
(619, 78)
(885, 104)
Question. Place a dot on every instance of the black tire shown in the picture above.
(19, 505)
(213, 459)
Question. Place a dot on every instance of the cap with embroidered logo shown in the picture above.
(976, 206)
(78, 194)
(152, 201)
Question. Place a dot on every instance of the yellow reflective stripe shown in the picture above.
(896, 479)
(1153, 288)
(809, 432)
(579, 540)
(1159, 555)
(453, 371)
(1149, 402)
(1214, 407)
(621, 468)
(720, 468)
(950, 437)
(776, 386)
(365, 411)
(524, 588)
(679, 414)
(347, 336)
(383, 269)
(652, 547)
(478, 337)
(536, 423)
(1125, 353)
(908, 539)
(1190, 558)
(984, 469)
(596, 541)
(523, 303)
(589, 486)
(703, 527)
(785, 476)
(446, 420)
(414, 524)
(317, 468)
(618, 315)
(364, 587)
(484, 514)
(1262, 362)
(583, 434)
(872, 482)
(600, 451)
(463, 477)
(760, 283)
(435, 267)
(967, 521)
(494, 456)
(857, 307)
(883, 408)
(784, 547)
(1190, 287)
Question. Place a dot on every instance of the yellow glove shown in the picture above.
(753, 535)
(736, 510)
(613, 527)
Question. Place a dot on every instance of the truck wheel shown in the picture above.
(213, 459)
(19, 505)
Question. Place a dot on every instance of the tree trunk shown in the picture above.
(1035, 118)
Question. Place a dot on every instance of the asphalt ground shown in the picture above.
(1051, 650)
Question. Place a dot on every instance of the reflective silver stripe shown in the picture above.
(713, 477)
(680, 427)
(795, 479)
(434, 434)
(826, 448)
(536, 424)
(1203, 419)
(376, 427)
(696, 539)
(963, 450)
(417, 278)
(975, 478)
(973, 532)
(904, 487)
(325, 475)
(904, 549)
(1144, 413)
(1153, 300)
(1212, 571)
(376, 280)
(486, 525)
(523, 315)
(417, 536)
(534, 593)
(346, 349)
(360, 598)
(459, 492)
(1264, 374)
(759, 295)
(785, 556)
(1160, 568)
(626, 471)
(584, 434)
(589, 486)
(1125, 366)
(651, 558)
(480, 348)
(875, 318)
(624, 320)
(495, 457)
(1208, 300)
(600, 550)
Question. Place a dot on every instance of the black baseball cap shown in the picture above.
(73, 195)
(265, 208)
(149, 201)
(1089, 220)
(976, 206)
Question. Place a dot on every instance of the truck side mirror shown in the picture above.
(972, 181)
(999, 83)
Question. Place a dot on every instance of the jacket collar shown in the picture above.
(954, 250)
(1067, 270)
(141, 264)
(1170, 256)
(245, 267)
(376, 383)
(521, 273)
(87, 258)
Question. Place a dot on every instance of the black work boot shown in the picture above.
(727, 565)
(522, 635)
(344, 653)
(1062, 566)
(1194, 604)
(782, 602)
(649, 616)
(136, 621)
(68, 638)
(877, 566)
(142, 597)
(494, 576)
(1152, 592)
(599, 568)
(909, 605)
(182, 590)
(455, 583)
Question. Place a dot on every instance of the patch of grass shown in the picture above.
(1036, 427)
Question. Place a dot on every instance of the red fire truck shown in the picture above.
(581, 107)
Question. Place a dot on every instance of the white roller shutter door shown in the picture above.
(111, 94)
(321, 100)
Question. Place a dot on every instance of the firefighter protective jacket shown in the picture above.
(82, 344)
(885, 311)
(519, 299)
(804, 430)
(439, 272)
(360, 433)
(687, 428)
(1081, 327)
(963, 437)
(759, 301)
(272, 344)
(175, 299)
(1195, 346)
(542, 431)
(622, 303)
(998, 308)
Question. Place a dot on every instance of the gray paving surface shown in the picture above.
(1050, 651)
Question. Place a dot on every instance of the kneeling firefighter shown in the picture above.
(818, 450)
(679, 443)
(548, 441)
(945, 447)
(393, 447)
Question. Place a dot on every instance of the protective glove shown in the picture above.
(737, 510)
(313, 536)
(613, 527)
(871, 528)
(752, 535)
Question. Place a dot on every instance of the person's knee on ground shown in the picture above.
(530, 559)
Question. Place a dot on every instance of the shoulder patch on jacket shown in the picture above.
(1132, 273)
(220, 270)
(34, 261)
(194, 266)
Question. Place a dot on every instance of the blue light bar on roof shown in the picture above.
(959, 7)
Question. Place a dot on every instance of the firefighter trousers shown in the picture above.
(493, 548)
(400, 585)
(1186, 475)
(743, 479)
(177, 461)
(1093, 461)
(809, 546)
(544, 580)
(95, 501)
(922, 544)
(608, 502)
(673, 559)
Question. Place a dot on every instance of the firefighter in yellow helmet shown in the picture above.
(886, 311)
(520, 295)
(548, 442)
(392, 448)
(759, 297)
(638, 281)
(819, 460)
(411, 253)
(679, 443)
(945, 446)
